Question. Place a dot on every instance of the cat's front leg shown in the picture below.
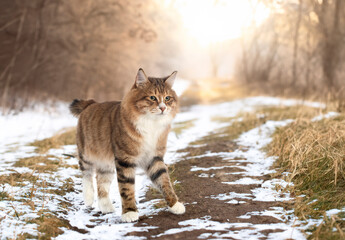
(158, 173)
(125, 169)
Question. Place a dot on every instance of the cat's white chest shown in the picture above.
(151, 128)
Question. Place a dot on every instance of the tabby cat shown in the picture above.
(124, 135)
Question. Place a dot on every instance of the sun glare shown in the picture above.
(212, 21)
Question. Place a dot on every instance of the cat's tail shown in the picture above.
(77, 106)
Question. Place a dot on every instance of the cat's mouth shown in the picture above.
(160, 113)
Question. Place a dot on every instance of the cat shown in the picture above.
(124, 135)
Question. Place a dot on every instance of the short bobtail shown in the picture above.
(77, 106)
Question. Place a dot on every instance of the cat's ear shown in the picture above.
(171, 79)
(141, 78)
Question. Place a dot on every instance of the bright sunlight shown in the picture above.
(210, 21)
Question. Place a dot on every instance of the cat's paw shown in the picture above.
(178, 208)
(105, 205)
(130, 217)
(88, 200)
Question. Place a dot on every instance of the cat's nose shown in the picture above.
(162, 108)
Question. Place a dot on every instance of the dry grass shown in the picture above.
(24, 236)
(313, 152)
(49, 225)
(67, 186)
(330, 229)
(179, 127)
(18, 179)
(66, 137)
(3, 196)
(40, 163)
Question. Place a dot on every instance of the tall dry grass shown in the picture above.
(313, 153)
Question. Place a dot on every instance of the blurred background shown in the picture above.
(61, 49)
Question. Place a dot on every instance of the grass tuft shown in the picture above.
(67, 137)
(18, 179)
(49, 225)
(4, 195)
(179, 127)
(331, 228)
(68, 186)
(40, 163)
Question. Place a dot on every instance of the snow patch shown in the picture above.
(325, 116)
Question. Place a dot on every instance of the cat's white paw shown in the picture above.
(105, 205)
(88, 199)
(130, 217)
(178, 208)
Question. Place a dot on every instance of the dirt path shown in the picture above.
(217, 207)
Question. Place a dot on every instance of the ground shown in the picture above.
(220, 172)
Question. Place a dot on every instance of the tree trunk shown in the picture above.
(295, 48)
(332, 45)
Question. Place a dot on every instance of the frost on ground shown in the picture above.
(55, 193)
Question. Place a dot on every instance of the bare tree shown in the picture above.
(308, 36)
(329, 15)
(296, 41)
(84, 48)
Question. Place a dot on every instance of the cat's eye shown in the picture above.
(153, 98)
(167, 98)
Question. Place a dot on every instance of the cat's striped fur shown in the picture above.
(126, 135)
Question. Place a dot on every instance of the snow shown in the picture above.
(195, 168)
(231, 195)
(18, 130)
(34, 124)
(332, 212)
(205, 175)
(235, 230)
(325, 116)
(245, 181)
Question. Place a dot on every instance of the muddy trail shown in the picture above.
(207, 185)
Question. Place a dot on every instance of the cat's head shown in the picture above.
(153, 96)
